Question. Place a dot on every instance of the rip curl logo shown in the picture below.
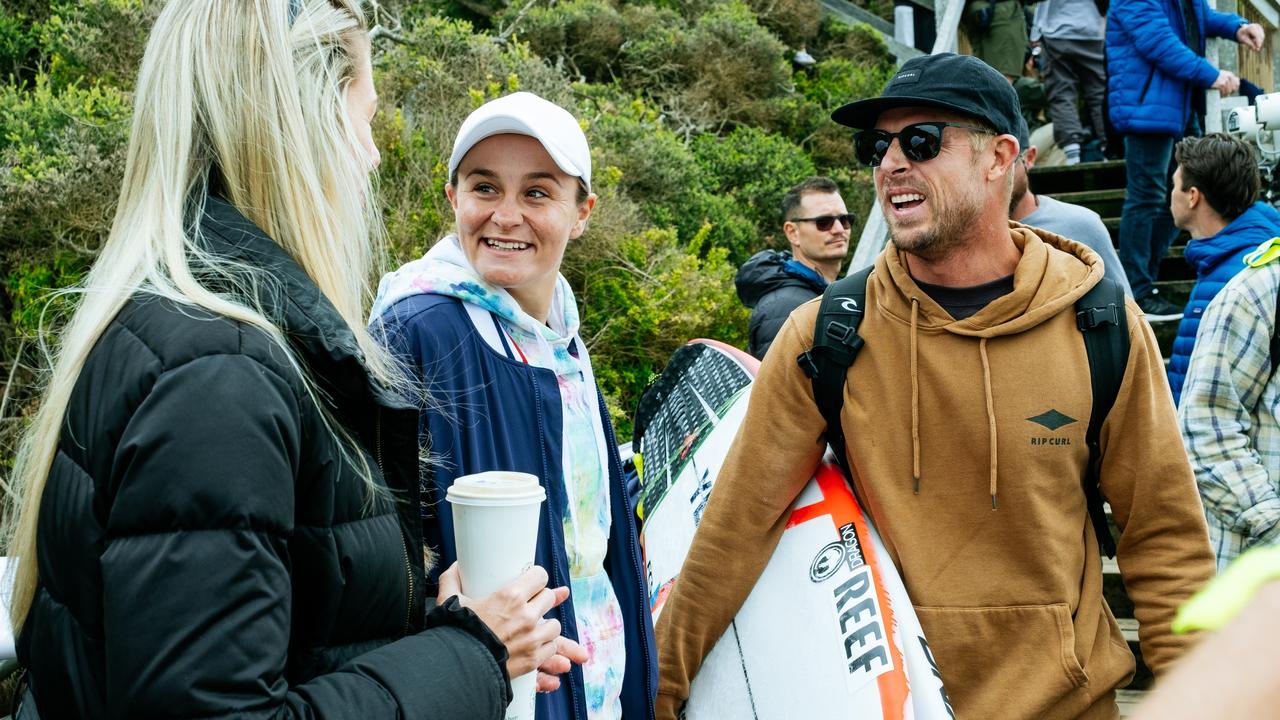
(849, 305)
(1053, 421)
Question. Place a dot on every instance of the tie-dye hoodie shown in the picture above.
(554, 346)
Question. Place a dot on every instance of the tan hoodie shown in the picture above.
(967, 442)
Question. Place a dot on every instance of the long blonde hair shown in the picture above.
(256, 90)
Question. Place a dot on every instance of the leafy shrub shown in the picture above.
(29, 288)
(662, 294)
(586, 35)
(102, 40)
(61, 157)
(795, 22)
(754, 168)
(19, 42)
(718, 72)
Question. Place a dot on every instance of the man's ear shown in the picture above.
(1029, 156)
(790, 230)
(1194, 198)
(1005, 153)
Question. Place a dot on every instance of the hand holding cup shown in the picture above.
(514, 613)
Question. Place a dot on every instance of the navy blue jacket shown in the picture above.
(1151, 72)
(494, 412)
(1217, 259)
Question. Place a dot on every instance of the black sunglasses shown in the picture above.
(824, 222)
(919, 142)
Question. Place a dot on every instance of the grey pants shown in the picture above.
(1074, 69)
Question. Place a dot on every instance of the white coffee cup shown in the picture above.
(495, 530)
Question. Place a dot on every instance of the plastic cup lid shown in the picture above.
(496, 487)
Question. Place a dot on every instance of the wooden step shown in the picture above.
(1078, 178)
(1106, 202)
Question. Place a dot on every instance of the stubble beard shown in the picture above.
(946, 233)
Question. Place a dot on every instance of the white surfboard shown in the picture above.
(828, 630)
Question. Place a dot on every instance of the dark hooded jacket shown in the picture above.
(773, 284)
(206, 551)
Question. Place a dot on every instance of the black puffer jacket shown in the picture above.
(772, 284)
(205, 551)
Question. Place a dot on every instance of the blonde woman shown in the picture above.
(487, 320)
(222, 484)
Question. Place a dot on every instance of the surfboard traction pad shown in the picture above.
(672, 415)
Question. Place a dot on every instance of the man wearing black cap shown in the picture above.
(965, 416)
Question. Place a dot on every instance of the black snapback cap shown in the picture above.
(961, 83)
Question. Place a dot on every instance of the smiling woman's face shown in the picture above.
(516, 211)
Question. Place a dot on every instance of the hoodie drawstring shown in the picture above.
(915, 398)
(991, 414)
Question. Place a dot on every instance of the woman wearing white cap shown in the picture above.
(491, 328)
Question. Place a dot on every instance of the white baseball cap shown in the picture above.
(524, 113)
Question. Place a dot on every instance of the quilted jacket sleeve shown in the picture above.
(1220, 24)
(196, 570)
(1148, 30)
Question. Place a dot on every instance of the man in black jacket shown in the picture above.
(773, 283)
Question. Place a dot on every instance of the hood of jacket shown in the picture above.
(770, 270)
(314, 327)
(1257, 224)
(1053, 273)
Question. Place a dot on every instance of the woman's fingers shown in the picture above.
(528, 584)
(571, 650)
(548, 683)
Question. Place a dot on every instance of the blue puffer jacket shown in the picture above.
(502, 414)
(1151, 72)
(1217, 259)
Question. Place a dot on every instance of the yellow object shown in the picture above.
(1266, 252)
(638, 460)
(1224, 598)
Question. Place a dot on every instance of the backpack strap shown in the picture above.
(835, 346)
(1101, 317)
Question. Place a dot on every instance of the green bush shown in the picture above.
(96, 40)
(795, 22)
(716, 73)
(662, 293)
(61, 158)
(19, 42)
(31, 289)
(586, 35)
(754, 168)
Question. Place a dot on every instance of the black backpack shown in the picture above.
(1100, 315)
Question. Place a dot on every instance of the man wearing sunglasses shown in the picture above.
(773, 283)
(965, 415)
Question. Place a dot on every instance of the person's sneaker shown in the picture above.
(1157, 309)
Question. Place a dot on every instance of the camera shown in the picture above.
(1260, 125)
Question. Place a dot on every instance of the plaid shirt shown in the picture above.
(1230, 405)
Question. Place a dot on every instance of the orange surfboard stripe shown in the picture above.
(838, 503)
